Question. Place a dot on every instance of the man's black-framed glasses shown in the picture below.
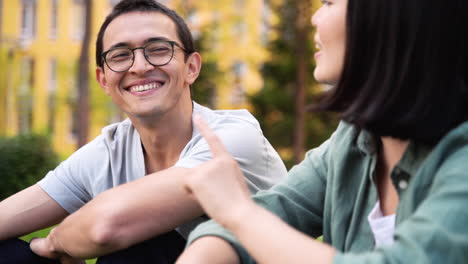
(157, 53)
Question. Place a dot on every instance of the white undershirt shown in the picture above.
(383, 227)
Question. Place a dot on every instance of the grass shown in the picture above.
(44, 233)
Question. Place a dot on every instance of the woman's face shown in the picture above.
(330, 40)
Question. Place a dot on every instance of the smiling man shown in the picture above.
(146, 62)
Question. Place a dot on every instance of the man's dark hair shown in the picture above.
(127, 6)
(405, 72)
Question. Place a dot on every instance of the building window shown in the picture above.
(238, 93)
(28, 19)
(1, 16)
(53, 18)
(193, 20)
(239, 30)
(78, 14)
(73, 103)
(239, 5)
(265, 27)
(113, 3)
(52, 94)
(25, 96)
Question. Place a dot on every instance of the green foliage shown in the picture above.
(203, 90)
(274, 105)
(24, 159)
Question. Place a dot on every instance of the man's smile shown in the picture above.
(145, 87)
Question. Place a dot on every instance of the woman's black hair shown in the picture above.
(405, 72)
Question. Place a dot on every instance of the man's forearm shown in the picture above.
(126, 215)
(76, 233)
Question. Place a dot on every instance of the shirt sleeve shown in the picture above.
(437, 232)
(297, 200)
(259, 162)
(71, 183)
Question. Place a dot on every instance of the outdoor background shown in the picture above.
(257, 54)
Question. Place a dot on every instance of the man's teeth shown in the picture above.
(146, 87)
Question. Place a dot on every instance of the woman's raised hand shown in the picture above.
(219, 185)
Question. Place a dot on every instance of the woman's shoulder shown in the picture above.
(349, 136)
(453, 147)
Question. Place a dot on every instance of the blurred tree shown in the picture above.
(204, 88)
(276, 105)
(301, 41)
(83, 79)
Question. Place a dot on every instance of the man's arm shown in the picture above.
(27, 211)
(126, 215)
(157, 203)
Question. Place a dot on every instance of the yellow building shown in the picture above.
(40, 44)
(39, 50)
(238, 33)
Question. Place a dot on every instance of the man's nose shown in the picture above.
(140, 64)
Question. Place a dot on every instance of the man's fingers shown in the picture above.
(216, 146)
(38, 245)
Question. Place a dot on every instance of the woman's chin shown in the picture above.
(325, 80)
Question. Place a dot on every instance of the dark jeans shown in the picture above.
(163, 249)
(16, 251)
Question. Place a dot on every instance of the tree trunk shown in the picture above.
(302, 55)
(83, 79)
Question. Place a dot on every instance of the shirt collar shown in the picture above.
(366, 142)
(412, 158)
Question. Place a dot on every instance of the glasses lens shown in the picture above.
(159, 53)
(119, 59)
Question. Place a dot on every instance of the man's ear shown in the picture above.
(194, 65)
(101, 79)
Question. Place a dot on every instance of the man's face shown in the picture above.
(147, 91)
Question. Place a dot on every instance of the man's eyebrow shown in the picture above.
(156, 39)
(126, 44)
(120, 45)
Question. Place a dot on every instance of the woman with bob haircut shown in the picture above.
(391, 184)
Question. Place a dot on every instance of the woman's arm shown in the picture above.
(270, 240)
(219, 187)
(209, 249)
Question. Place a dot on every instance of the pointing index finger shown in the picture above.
(216, 146)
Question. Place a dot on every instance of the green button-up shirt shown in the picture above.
(331, 192)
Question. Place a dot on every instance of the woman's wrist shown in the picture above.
(240, 214)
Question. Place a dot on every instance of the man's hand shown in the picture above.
(45, 248)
